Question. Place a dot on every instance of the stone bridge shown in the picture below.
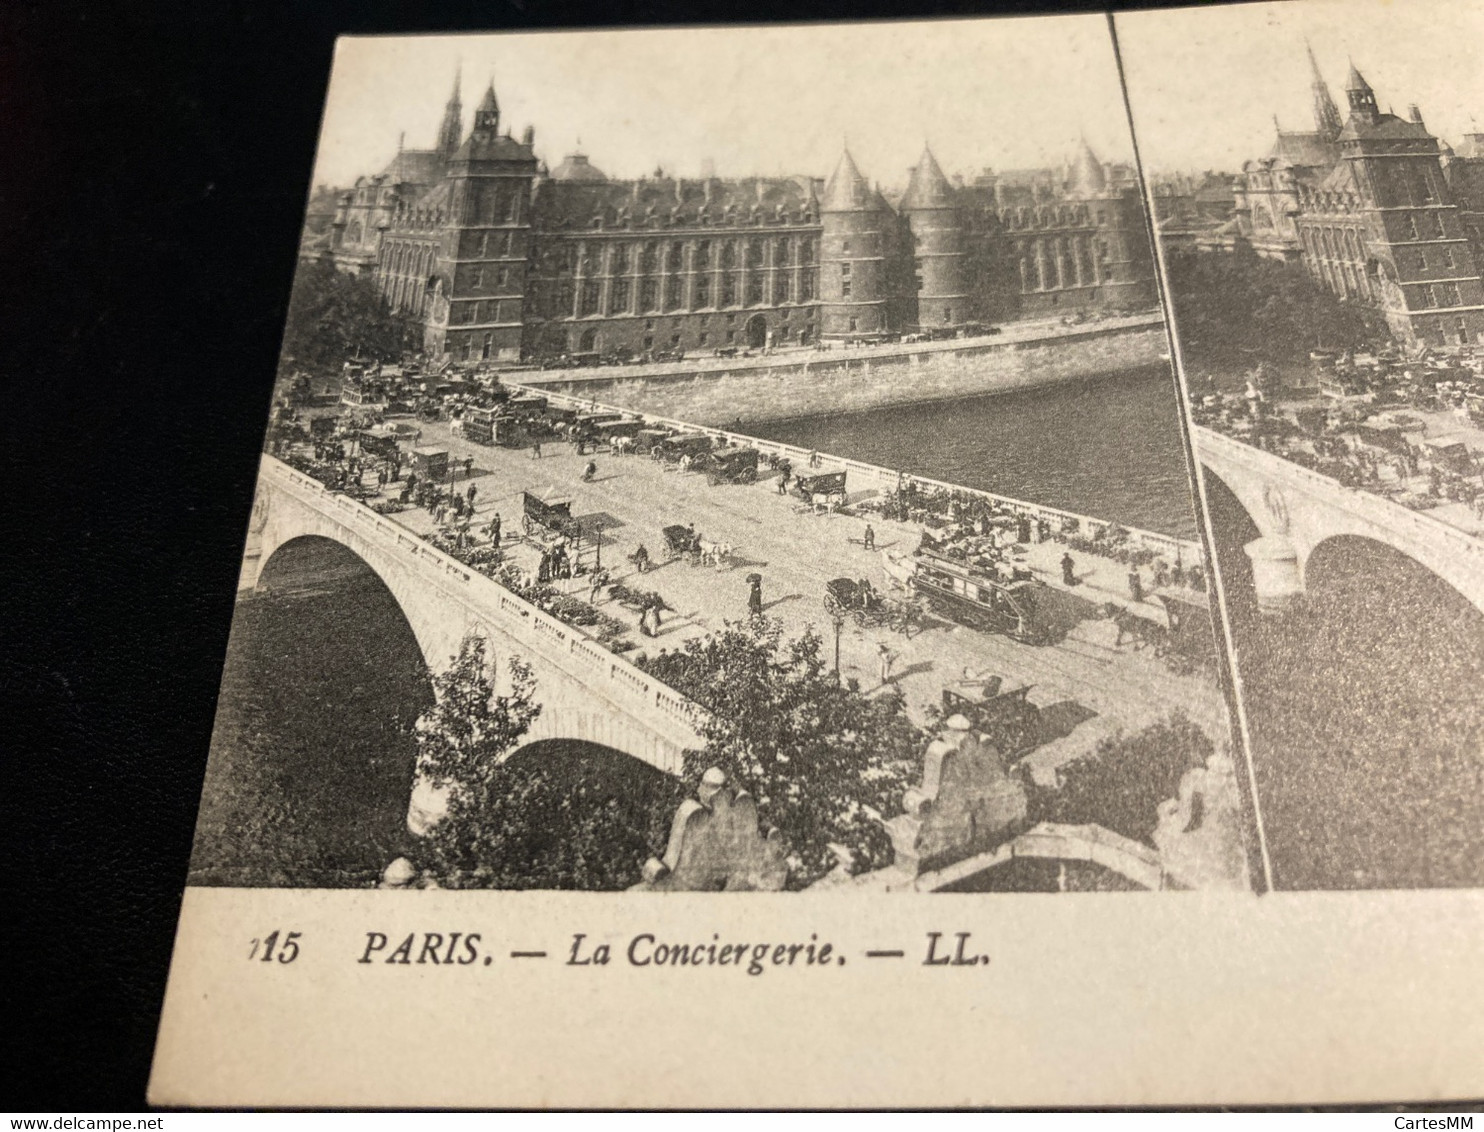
(1296, 510)
(586, 692)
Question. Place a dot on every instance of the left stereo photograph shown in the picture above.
(725, 460)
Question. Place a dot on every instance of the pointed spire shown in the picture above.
(1362, 97)
(927, 188)
(452, 130)
(846, 190)
(487, 113)
(1326, 114)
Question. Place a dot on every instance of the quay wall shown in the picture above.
(853, 380)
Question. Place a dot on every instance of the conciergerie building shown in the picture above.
(501, 257)
(1378, 211)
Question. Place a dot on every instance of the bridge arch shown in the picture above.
(313, 756)
(1233, 527)
(1342, 562)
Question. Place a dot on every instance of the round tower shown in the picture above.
(852, 260)
(938, 257)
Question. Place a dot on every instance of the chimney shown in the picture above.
(1414, 113)
(528, 136)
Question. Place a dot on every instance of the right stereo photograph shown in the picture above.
(1317, 179)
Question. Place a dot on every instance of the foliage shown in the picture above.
(538, 822)
(334, 316)
(1122, 783)
(1242, 309)
(824, 761)
(461, 738)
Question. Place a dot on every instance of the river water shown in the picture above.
(1108, 447)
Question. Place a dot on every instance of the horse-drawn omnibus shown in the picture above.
(977, 598)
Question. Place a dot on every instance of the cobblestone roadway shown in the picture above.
(796, 553)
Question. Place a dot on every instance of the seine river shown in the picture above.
(1108, 447)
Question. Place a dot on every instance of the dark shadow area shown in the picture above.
(313, 754)
(592, 816)
(1060, 719)
(600, 520)
(1367, 711)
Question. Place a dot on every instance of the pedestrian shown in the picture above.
(543, 569)
(884, 657)
(755, 596)
(495, 525)
(641, 559)
(468, 466)
(470, 494)
(599, 580)
(1067, 565)
(535, 450)
(869, 541)
(1135, 585)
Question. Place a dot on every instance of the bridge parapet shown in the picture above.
(605, 675)
(884, 479)
(1288, 501)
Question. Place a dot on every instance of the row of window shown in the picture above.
(669, 293)
(1056, 264)
(622, 258)
(487, 310)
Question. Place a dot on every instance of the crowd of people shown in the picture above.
(1360, 425)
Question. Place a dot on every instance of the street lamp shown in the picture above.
(838, 620)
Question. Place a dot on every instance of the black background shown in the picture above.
(154, 163)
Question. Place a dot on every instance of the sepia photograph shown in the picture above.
(1317, 176)
(726, 459)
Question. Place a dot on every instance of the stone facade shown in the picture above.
(1378, 211)
(501, 258)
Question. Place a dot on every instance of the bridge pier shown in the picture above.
(1276, 575)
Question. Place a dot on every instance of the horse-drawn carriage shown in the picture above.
(729, 465)
(828, 487)
(682, 542)
(862, 603)
(553, 515)
(684, 446)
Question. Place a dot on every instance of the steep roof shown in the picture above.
(1304, 148)
(486, 145)
(415, 166)
(1386, 126)
(1087, 171)
(847, 190)
(575, 204)
(927, 188)
(1356, 81)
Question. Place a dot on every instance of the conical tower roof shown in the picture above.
(489, 102)
(1087, 171)
(847, 190)
(927, 188)
(1356, 81)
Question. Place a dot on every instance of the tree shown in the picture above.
(1238, 310)
(557, 821)
(824, 761)
(334, 316)
(1121, 784)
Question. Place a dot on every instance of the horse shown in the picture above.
(719, 554)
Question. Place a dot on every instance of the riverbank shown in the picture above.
(805, 383)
